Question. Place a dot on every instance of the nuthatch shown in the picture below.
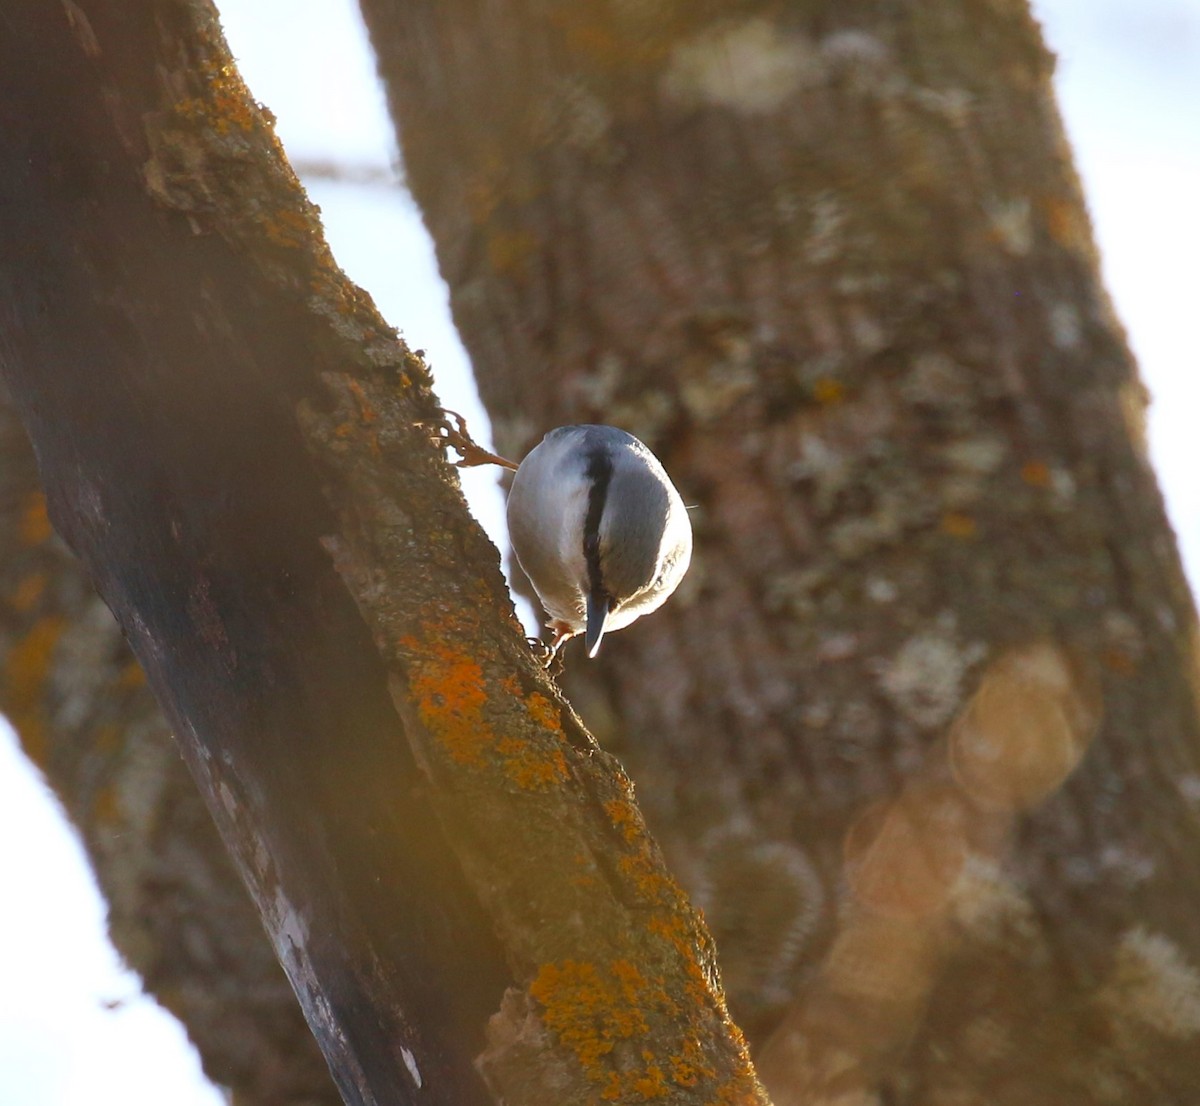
(599, 529)
(595, 522)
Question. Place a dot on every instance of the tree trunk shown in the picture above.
(920, 731)
(454, 877)
(177, 911)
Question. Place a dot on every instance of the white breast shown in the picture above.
(546, 508)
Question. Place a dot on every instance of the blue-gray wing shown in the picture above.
(634, 523)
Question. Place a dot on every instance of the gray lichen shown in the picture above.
(924, 678)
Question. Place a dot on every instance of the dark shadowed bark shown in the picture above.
(920, 731)
(177, 910)
(454, 877)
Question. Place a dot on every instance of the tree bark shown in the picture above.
(178, 913)
(920, 730)
(454, 877)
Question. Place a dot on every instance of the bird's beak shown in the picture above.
(597, 616)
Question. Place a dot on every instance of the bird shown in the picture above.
(599, 529)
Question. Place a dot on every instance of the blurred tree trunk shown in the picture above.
(920, 731)
(454, 877)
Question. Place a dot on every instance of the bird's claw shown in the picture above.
(450, 435)
(549, 654)
(456, 437)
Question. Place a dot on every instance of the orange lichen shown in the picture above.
(545, 713)
(452, 698)
(580, 1005)
(287, 227)
(610, 1013)
(958, 525)
(739, 1091)
(107, 805)
(366, 412)
(132, 675)
(649, 879)
(227, 106)
(24, 684)
(673, 929)
(528, 766)
(595, 1010)
(683, 1073)
(448, 688)
(655, 887)
(625, 818)
(1066, 223)
(29, 661)
(651, 1083)
(688, 1067)
(28, 591)
(633, 1039)
(330, 286)
(34, 525)
(1036, 474)
(669, 918)
(827, 391)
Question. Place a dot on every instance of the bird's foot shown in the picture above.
(455, 436)
(550, 652)
(546, 654)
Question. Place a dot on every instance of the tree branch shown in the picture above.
(451, 872)
(178, 912)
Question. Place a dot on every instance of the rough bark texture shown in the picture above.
(920, 731)
(177, 911)
(455, 878)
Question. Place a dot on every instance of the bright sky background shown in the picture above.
(1129, 84)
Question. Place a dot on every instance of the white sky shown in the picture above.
(1129, 84)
